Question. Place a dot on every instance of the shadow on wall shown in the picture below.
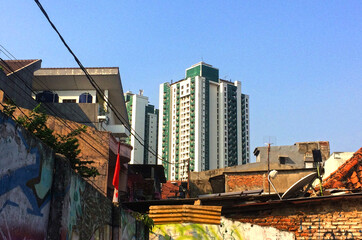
(26, 174)
(41, 197)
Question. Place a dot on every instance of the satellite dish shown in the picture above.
(298, 186)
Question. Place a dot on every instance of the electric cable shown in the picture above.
(45, 86)
(48, 107)
(59, 119)
(94, 84)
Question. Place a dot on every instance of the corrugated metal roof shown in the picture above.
(185, 214)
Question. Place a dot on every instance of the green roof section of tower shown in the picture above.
(204, 70)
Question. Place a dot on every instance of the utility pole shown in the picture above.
(269, 141)
(188, 178)
(268, 166)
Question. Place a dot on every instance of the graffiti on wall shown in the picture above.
(130, 228)
(338, 234)
(72, 208)
(226, 230)
(86, 213)
(25, 183)
(28, 193)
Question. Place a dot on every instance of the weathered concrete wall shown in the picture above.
(85, 113)
(130, 227)
(340, 219)
(296, 155)
(94, 146)
(200, 184)
(42, 197)
(78, 210)
(228, 229)
(26, 175)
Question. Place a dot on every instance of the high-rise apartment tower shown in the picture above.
(203, 123)
(143, 119)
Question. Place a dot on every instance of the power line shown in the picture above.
(56, 114)
(40, 81)
(59, 119)
(94, 84)
(48, 107)
(45, 86)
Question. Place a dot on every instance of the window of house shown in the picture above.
(282, 159)
(69, 100)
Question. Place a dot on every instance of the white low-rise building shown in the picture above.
(70, 95)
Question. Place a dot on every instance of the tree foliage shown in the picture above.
(66, 145)
(145, 219)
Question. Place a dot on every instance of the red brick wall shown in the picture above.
(170, 189)
(324, 220)
(236, 183)
(244, 181)
(94, 146)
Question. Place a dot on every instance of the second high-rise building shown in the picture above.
(143, 119)
(203, 123)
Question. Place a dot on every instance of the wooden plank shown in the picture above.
(186, 220)
(185, 214)
(217, 208)
(182, 216)
(184, 211)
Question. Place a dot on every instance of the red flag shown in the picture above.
(117, 170)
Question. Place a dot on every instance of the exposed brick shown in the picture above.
(356, 227)
(353, 222)
(313, 224)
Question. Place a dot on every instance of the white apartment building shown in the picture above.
(143, 119)
(201, 123)
(71, 96)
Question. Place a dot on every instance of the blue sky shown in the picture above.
(300, 61)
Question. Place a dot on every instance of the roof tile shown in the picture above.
(348, 175)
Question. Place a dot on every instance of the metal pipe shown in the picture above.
(273, 186)
(268, 167)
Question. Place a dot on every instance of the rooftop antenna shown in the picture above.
(269, 140)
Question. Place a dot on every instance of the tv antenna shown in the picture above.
(269, 140)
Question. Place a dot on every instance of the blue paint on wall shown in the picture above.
(25, 177)
(8, 203)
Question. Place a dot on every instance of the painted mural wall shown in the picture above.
(26, 167)
(227, 230)
(130, 228)
(78, 210)
(41, 197)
